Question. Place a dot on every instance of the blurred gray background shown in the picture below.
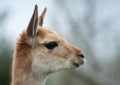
(92, 25)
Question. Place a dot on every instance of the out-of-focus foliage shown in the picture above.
(5, 53)
(93, 27)
(4, 64)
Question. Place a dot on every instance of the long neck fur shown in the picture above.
(21, 67)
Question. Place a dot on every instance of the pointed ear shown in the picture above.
(33, 24)
(41, 18)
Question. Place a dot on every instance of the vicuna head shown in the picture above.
(40, 51)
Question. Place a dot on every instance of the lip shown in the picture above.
(78, 63)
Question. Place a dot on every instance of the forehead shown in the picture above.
(48, 35)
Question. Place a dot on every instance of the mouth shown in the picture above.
(78, 63)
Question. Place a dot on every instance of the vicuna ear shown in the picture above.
(33, 24)
(41, 18)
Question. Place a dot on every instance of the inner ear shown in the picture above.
(41, 18)
(33, 24)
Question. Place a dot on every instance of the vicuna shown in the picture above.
(40, 52)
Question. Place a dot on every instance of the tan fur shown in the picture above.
(33, 62)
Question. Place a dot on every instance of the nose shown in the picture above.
(80, 55)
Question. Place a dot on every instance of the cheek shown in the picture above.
(41, 64)
(44, 62)
(49, 64)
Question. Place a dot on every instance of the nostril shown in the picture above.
(80, 55)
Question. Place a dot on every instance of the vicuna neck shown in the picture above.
(23, 78)
(21, 67)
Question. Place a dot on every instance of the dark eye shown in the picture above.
(51, 45)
